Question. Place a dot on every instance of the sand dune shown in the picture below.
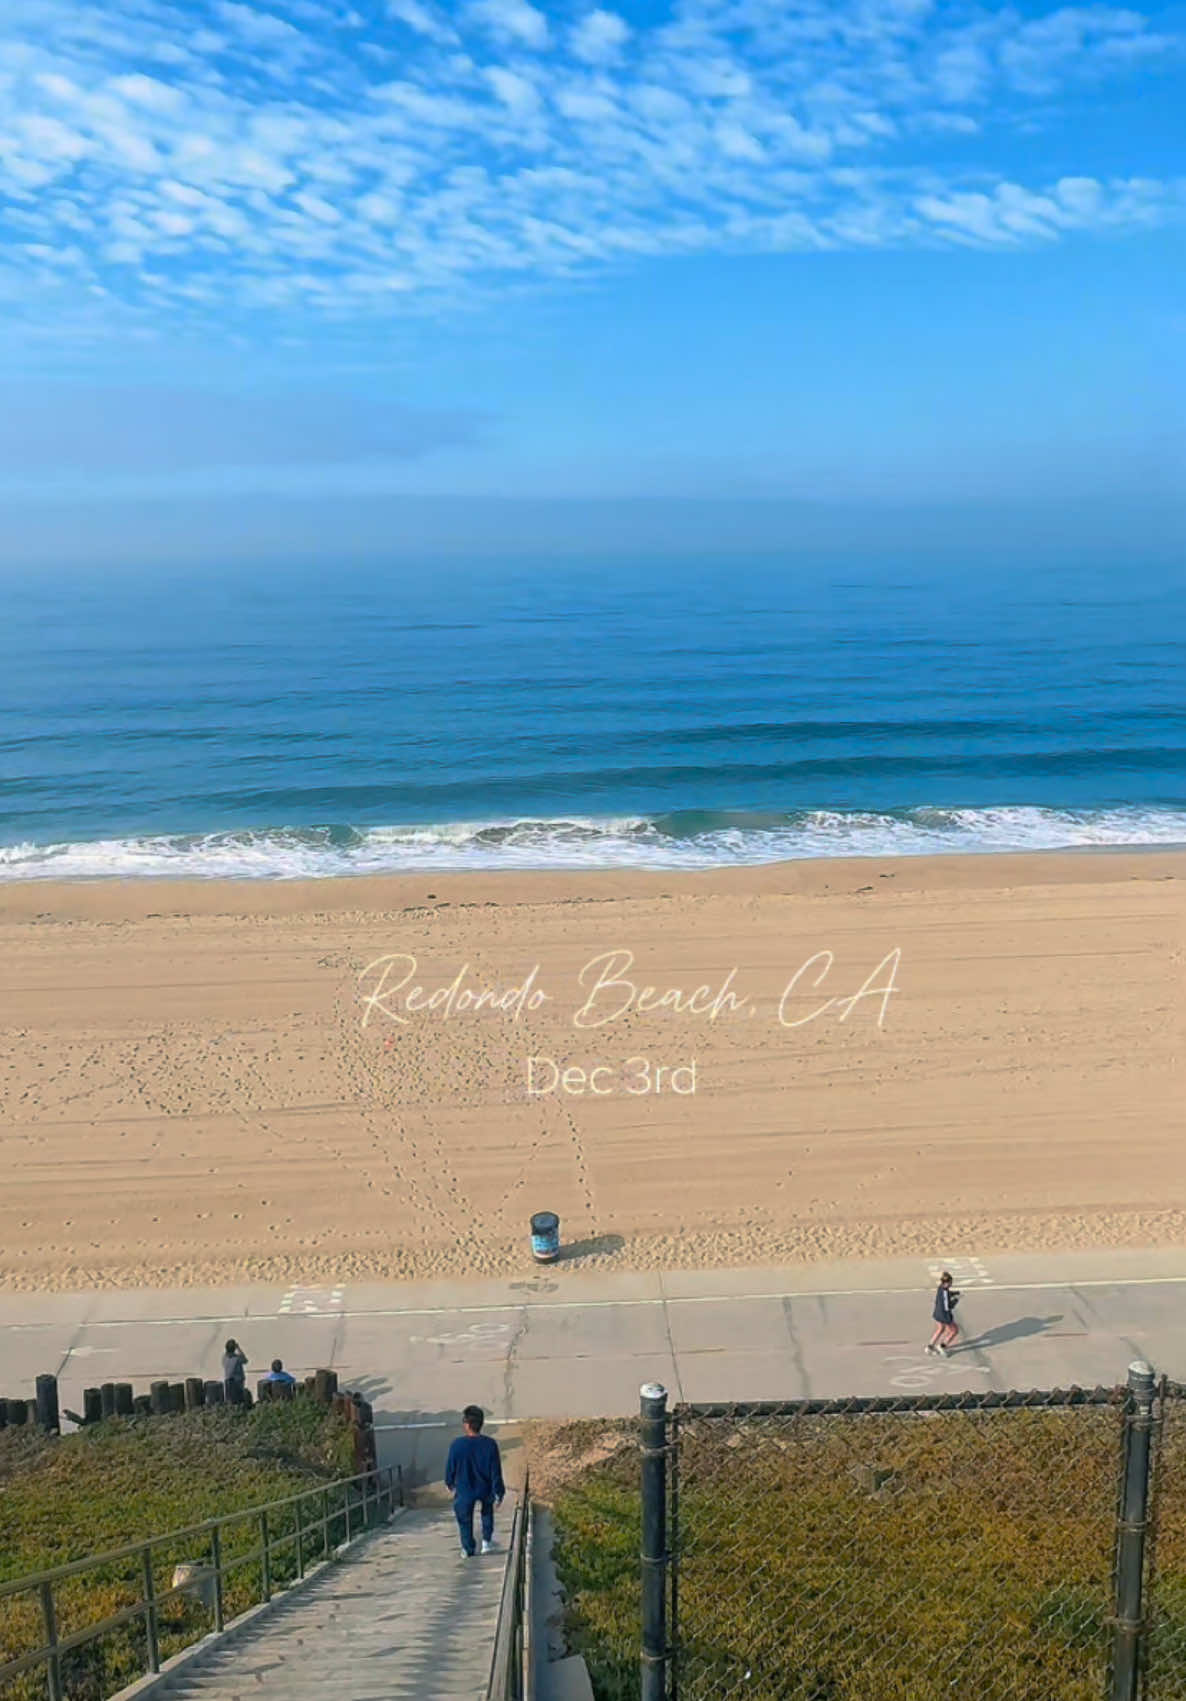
(190, 1094)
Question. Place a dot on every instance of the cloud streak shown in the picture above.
(218, 162)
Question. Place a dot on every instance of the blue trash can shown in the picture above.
(545, 1237)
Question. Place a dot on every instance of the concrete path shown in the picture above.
(402, 1616)
(567, 1342)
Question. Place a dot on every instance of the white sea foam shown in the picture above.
(581, 843)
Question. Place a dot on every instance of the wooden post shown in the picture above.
(215, 1394)
(47, 1405)
(107, 1397)
(92, 1405)
(18, 1412)
(124, 1399)
(195, 1393)
(142, 1405)
(177, 1396)
(3, 1414)
(325, 1386)
(160, 1398)
(264, 1391)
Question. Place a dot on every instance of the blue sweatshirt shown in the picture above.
(946, 1300)
(474, 1469)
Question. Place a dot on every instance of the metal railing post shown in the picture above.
(346, 1495)
(1130, 1547)
(300, 1538)
(653, 1447)
(150, 1624)
(216, 1557)
(325, 1521)
(53, 1664)
(265, 1558)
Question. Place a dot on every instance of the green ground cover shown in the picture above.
(65, 1498)
(877, 1559)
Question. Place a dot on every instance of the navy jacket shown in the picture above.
(474, 1469)
(946, 1300)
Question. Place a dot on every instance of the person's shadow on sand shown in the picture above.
(1018, 1330)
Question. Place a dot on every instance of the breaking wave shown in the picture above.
(686, 839)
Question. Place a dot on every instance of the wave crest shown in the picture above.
(685, 840)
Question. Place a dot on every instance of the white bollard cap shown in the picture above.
(653, 1391)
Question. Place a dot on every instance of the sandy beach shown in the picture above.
(291, 1082)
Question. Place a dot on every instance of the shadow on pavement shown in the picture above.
(1018, 1330)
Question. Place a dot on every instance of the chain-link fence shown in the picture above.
(1010, 1547)
(1166, 1577)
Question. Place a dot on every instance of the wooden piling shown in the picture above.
(48, 1417)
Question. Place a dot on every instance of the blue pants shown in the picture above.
(463, 1511)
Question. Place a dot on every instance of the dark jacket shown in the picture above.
(945, 1304)
(474, 1469)
(234, 1367)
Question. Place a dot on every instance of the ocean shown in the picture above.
(665, 715)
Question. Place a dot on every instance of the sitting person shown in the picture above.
(279, 1374)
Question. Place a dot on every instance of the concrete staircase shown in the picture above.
(403, 1615)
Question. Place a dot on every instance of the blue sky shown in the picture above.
(873, 251)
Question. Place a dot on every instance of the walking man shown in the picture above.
(943, 1311)
(474, 1473)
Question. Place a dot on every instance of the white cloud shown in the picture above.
(513, 90)
(599, 37)
(420, 19)
(262, 28)
(277, 171)
(148, 92)
(513, 20)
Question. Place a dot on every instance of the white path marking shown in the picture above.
(473, 1336)
(311, 1302)
(968, 1272)
(920, 1373)
(594, 1304)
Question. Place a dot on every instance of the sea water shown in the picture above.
(666, 714)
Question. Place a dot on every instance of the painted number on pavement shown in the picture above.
(967, 1272)
(474, 1336)
(918, 1376)
(310, 1302)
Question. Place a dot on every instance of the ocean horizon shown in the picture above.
(669, 715)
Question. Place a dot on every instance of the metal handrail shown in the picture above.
(508, 1659)
(387, 1485)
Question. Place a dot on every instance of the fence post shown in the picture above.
(653, 1447)
(152, 1640)
(53, 1666)
(216, 1557)
(1130, 1547)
